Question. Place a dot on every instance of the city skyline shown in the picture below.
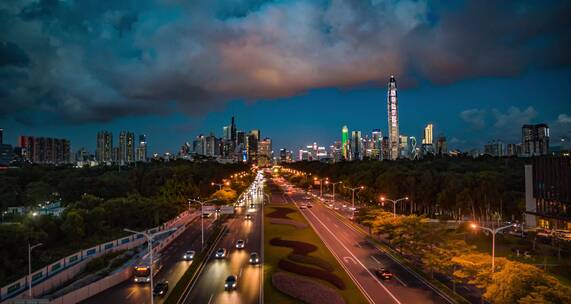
(477, 97)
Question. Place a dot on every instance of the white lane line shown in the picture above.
(210, 300)
(372, 257)
(241, 269)
(351, 253)
(130, 294)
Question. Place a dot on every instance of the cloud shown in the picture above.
(80, 61)
(474, 117)
(563, 118)
(514, 117)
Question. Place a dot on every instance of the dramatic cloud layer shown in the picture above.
(93, 60)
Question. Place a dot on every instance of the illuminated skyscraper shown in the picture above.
(356, 145)
(345, 142)
(427, 139)
(392, 111)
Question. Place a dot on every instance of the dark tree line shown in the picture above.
(99, 203)
(482, 189)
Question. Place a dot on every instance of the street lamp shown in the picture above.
(219, 185)
(394, 203)
(201, 216)
(353, 193)
(334, 189)
(493, 231)
(30, 248)
(320, 184)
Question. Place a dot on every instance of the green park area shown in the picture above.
(298, 263)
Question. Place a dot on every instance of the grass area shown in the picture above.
(273, 254)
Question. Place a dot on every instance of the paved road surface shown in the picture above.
(210, 285)
(360, 258)
(173, 268)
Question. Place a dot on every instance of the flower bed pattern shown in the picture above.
(305, 290)
(281, 221)
(281, 212)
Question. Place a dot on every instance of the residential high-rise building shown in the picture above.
(535, 139)
(104, 150)
(212, 146)
(385, 151)
(283, 155)
(45, 150)
(199, 145)
(357, 145)
(126, 147)
(265, 152)
(226, 133)
(345, 142)
(393, 118)
(142, 148)
(1, 136)
(377, 141)
(427, 138)
(494, 148)
(336, 151)
(252, 145)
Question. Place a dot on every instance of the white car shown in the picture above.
(189, 255)
(240, 244)
(220, 253)
(302, 206)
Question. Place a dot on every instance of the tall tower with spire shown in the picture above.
(345, 142)
(392, 111)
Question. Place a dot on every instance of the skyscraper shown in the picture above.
(441, 146)
(265, 152)
(535, 139)
(104, 151)
(345, 142)
(45, 150)
(233, 131)
(1, 136)
(392, 111)
(357, 145)
(142, 148)
(126, 147)
(427, 139)
(403, 146)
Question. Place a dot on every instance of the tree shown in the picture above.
(554, 293)
(73, 226)
(227, 195)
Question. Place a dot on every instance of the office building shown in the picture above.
(403, 146)
(6, 155)
(104, 150)
(252, 146)
(393, 118)
(345, 142)
(356, 145)
(377, 140)
(441, 146)
(385, 150)
(265, 152)
(45, 150)
(1, 136)
(233, 131)
(427, 138)
(142, 148)
(212, 146)
(548, 192)
(199, 145)
(535, 140)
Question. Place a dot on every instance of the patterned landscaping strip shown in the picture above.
(305, 290)
(307, 259)
(280, 221)
(281, 212)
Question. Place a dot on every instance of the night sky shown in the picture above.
(297, 70)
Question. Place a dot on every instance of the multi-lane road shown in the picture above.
(209, 287)
(360, 258)
(173, 268)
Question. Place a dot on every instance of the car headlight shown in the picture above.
(136, 280)
(226, 285)
(234, 285)
(161, 292)
(257, 260)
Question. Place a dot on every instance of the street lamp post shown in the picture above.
(353, 194)
(201, 217)
(395, 202)
(220, 185)
(493, 231)
(334, 189)
(30, 248)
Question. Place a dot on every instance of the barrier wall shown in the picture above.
(59, 272)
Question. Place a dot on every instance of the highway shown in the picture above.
(209, 288)
(173, 268)
(360, 258)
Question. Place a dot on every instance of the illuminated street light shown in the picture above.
(394, 203)
(334, 189)
(353, 193)
(493, 231)
(201, 216)
(321, 184)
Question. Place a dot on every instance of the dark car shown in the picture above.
(254, 258)
(161, 289)
(384, 274)
(231, 282)
(248, 216)
(220, 253)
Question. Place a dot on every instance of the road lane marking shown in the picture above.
(131, 293)
(347, 259)
(372, 257)
(351, 253)
(210, 300)
(241, 269)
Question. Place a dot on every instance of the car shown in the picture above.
(240, 244)
(309, 205)
(161, 288)
(383, 273)
(205, 215)
(254, 258)
(302, 206)
(252, 206)
(231, 282)
(248, 216)
(220, 253)
(188, 255)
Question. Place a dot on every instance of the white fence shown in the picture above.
(61, 271)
